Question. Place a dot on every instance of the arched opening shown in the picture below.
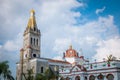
(92, 77)
(31, 41)
(67, 78)
(37, 42)
(110, 77)
(34, 29)
(25, 55)
(61, 78)
(85, 78)
(34, 55)
(100, 77)
(77, 78)
(34, 41)
(41, 69)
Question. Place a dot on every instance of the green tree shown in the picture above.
(5, 73)
(111, 58)
(29, 75)
(61, 78)
(49, 74)
(40, 76)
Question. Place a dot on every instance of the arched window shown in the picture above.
(92, 77)
(25, 55)
(31, 41)
(100, 77)
(85, 77)
(37, 42)
(77, 78)
(41, 69)
(34, 29)
(34, 41)
(110, 77)
(67, 78)
(61, 78)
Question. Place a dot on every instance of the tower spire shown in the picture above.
(32, 21)
(32, 38)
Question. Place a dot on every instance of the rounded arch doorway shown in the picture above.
(62, 78)
(67, 78)
(77, 78)
(92, 77)
(100, 77)
(110, 77)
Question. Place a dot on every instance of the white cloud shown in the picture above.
(58, 58)
(13, 45)
(56, 17)
(105, 48)
(58, 13)
(10, 49)
(10, 46)
(88, 34)
(100, 10)
(91, 40)
(0, 46)
(61, 44)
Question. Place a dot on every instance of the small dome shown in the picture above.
(71, 52)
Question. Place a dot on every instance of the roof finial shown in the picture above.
(32, 12)
(70, 47)
(32, 21)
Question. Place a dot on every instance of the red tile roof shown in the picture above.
(59, 61)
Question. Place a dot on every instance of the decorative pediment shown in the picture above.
(78, 68)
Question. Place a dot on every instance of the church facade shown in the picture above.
(72, 67)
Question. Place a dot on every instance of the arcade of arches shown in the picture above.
(101, 77)
(92, 77)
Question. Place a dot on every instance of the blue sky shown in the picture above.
(90, 25)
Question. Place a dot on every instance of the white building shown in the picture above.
(72, 67)
(81, 69)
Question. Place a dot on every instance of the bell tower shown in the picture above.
(31, 41)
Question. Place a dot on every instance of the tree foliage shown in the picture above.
(29, 75)
(49, 74)
(5, 73)
(111, 58)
